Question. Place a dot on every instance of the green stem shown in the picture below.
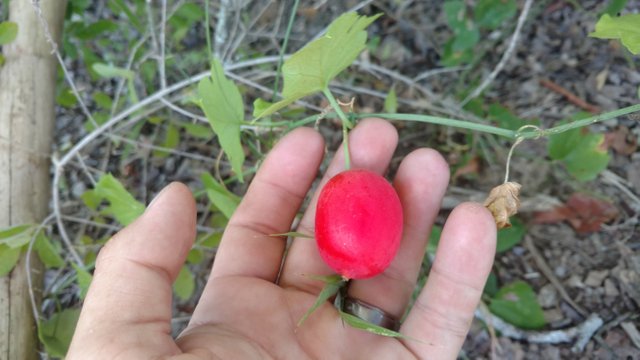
(511, 134)
(285, 42)
(444, 121)
(207, 30)
(579, 123)
(346, 125)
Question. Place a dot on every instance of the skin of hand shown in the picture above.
(250, 306)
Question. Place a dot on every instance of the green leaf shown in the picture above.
(48, 253)
(96, 29)
(222, 104)
(84, 280)
(202, 132)
(118, 6)
(8, 258)
(102, 100)
(434, 239)
(391, 102)
(185, 284)
(171, 141)
(491, 286)
(223, 199)
(504, 117)
(358, 323)
(581, 152)
(624, 28)
(109, 71)
(311, 68)
(492, 13)
(195, 256)
(17, 236)
(615, 6)
(1, 60)
(293, 234)
(56, 332)
(333, 284)
(455, 14)
(122, 205)
(511, 236)
(211, 240)
(516, 303)
(8, 32)
(66, 98)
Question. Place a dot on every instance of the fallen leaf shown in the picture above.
(471, 167)
(503, 202)
(621, 141)
(584, 213)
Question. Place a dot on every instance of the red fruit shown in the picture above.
(358, 224)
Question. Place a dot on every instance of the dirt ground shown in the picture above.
(574, 274)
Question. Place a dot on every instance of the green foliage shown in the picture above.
(84, 280)
(56, 332)
(48, 252)
(223, 199)
(17, 236)
(8, 258)
(488, 15)
(222, 104)
(171, 141)
(434, 239)
(332, 284)
(581, 152)
(311, 68)
(183, 19)
(185, 284)
(122, 205)
(509, 237)
(358, 323)
(391, 102)
(95, 29)
(517, 304)
(624, 28)
(492, 13)
(504, 117)
(8, 32)
(491, 286)
(615, 6)
(109, 71)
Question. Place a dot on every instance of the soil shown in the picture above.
(598, 270)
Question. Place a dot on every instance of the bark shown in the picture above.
(27, 95)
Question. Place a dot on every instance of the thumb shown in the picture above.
(128, 306)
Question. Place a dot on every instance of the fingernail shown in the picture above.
(158, 196)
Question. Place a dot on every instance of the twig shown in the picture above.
(220, 37)
(505, 56)
(580, 333)
(163, 25)
(548, 273)
(570, 96)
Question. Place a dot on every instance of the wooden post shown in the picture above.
(27, 95)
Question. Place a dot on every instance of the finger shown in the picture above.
(271, 202)
(421, 182)
(442, 314)
(371, 143)
(129, 301)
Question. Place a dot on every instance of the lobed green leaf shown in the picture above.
(311, 68)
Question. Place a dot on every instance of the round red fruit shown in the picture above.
(358, 223)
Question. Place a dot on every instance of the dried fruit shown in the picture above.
(358, 224)
(503, 202)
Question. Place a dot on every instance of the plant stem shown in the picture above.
(346, 125)
(444, 121)
(207, 30)
(579, 123)
(294, 10)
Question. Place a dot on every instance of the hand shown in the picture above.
(246, 311)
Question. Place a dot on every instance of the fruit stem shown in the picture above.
(346, 125)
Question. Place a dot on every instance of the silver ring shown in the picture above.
(369, 313)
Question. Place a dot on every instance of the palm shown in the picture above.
(253, 300)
